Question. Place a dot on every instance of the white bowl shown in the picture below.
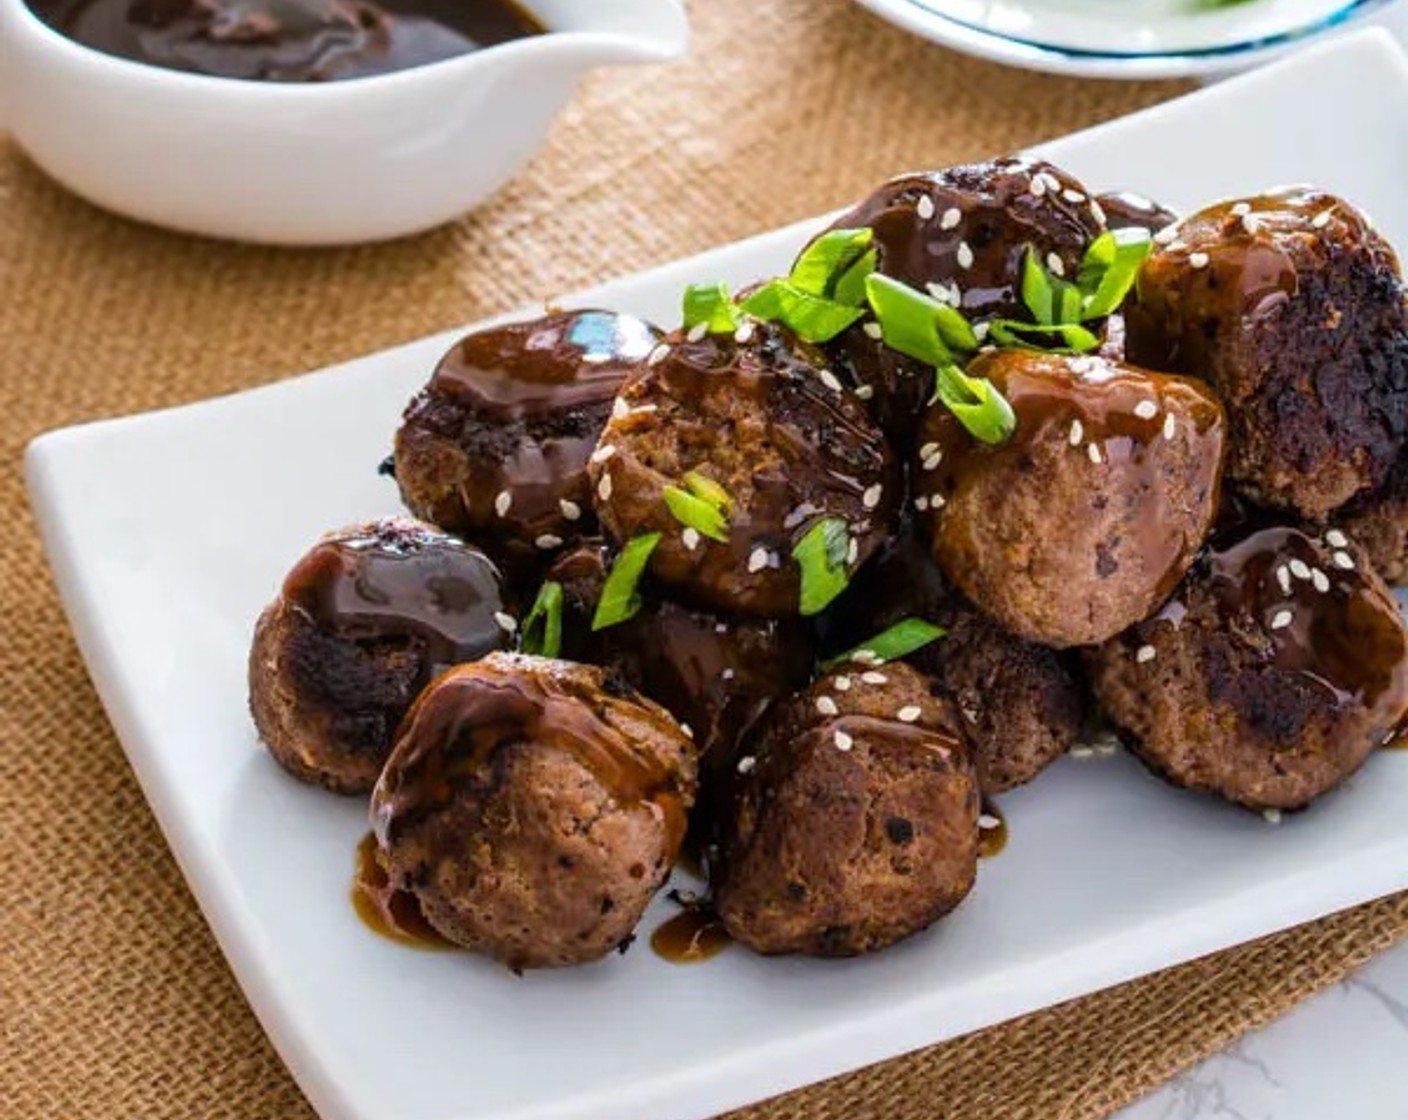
(308, 163)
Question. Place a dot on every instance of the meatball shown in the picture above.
(363, 621)
(1127, 210)
(1022, 703)
(856, 823)
(496, 444)
(533, 807)
(1292, 307)
(760, 415)
(960, 234)
(1084, 520)
(1279, 665)
(1379, 524)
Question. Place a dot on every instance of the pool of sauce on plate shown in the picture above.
(693, 935)
(394, 914)
(288, 40)
(992, 830)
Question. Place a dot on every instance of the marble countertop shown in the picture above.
(1342, 1054)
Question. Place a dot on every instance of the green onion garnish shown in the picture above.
(978, 406)
(702, 486)
(850, 285)
(916, 324)
(1074, 338)
(541, 632)
(712, 306)
(1109, 268)
(620, 597)
(899, 640)
(696, 513)
(821, 555)
(811, 318)
(825, 292)
(829, 259)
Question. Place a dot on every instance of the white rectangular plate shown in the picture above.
(168, 532)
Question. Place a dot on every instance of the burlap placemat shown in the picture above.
(114, 1001)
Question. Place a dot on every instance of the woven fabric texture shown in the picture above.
(114, 1000)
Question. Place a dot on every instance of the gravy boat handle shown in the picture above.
(627, 32)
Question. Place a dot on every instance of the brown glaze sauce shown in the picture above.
(992, 830)
(450, 736)
(400, 582)
(385, 910)
(695, 934)
(1057, 398)
(288, 40)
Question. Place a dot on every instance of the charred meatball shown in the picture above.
(856, 824)
(1021, 703)
(1379, 524)
(1279, 665)
(1084, 520)
(497, 443)
(362, 623)
(759, 415)
(1127, 210)
(1292, 307)
(533, 807)
(960, 234)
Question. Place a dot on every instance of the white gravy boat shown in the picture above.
(309, 163)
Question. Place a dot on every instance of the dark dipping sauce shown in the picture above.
(399, 581)
(288, 40)
(992, 830)
(385, 910)
(695, 934)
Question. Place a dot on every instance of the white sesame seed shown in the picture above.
(965, 255)
(873, 330)
(1170, 426)
(1271, 816)
(842, 684)
(830, 380)
(1077, 433)
(871, 498)
(980, 330)
(758, 559)
(697, 332)
(1319, 580)
(604, 452)
(1097, 212)
(939, 292)
(774, 559)
(852, 552)
(1145, 654)
(658, 355)
(826, 706)
(928, 449)
(1166, 235)
(1093, 450)
(1241, 208)
(721, 628)
(728, 674)
(865, 392)
(1072, 195)
(688, 731)
(548, 541)
(744, 332)
(843, 741)
(1106, 750)
(867, 657)
(951, 218)
(987, 822)
(1197, 260)
(924, 207)
(620, 409)
(1283, 577)
(1336, 539)
(1300, 569)
(746, 763)
(1081, 752)
(937, 501)
(1056, 264)
(1053, 184)
(502, 503)
(921, 503)
(506, 621)
(1321, 220)
(1146, 410)
(931, 463)
(1038, 186)
(870, 676)
(1251, 224)
(570, 510)
(908, 714)
(690, 537)
(1281, 619)
(1343, 560)
(603, 488)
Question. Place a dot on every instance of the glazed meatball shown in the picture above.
(1021, 703)
(496, 444)
(1292, 307)
(533, 807)
(1127, 210)
(760, 415)
(855, 824)
(363, 621)
(960, 234)
(1084, 520)
(1379, 525)
(1270, 676)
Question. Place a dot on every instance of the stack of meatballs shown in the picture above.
(1187, 530)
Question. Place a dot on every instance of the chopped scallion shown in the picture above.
(811, 318)
(821, 556)
(620, 596)
(1109, 269)
(541, 632)
(1074, 338)
(830, 258)
(696, 513)
(899, 640)
(711, 305)
(976, 404)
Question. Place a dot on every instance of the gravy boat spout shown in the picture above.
(321, 163)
